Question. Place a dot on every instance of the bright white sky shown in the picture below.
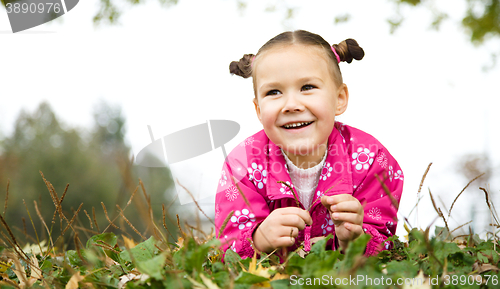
(422, 93)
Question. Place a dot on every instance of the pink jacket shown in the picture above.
(354, 158)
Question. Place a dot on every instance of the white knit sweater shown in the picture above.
(305, 181)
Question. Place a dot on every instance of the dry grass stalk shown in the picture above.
(241, 193)
(95, 220)
(179, 226)
(106, 246)
(16, 248)
(6, 197)
(164, 221)
(72, 220)
(149, 209)
(90, 220)
(196, 229)
(144, 191)
(16, 244)
(196, 203)
(64, 194)
(33, 225)
(107, 217)
(130, 224)
(423, 178)
(386, 190)
(456, 198)
(53, 195)
(439, 212)
(493, 216)
(297, 202)
(420, 189)
(132, 196)
(25, 232)
(486, 194)
(226, 220)
(76, 240)
(460, 226)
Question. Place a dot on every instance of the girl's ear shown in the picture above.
(342, 100)
(257, 108)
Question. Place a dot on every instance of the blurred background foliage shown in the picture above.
(97, 163)
(481, 19)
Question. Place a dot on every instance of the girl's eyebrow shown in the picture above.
(268, 84)
(277, 84)
(310, 78)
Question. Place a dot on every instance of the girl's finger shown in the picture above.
(349, 206)
(299, 212)
(356, 230)
(285, 242)
(347, 217)
(293, 220)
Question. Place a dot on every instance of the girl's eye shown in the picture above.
(308, 87)
(273, 92)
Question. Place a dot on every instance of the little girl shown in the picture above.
(305, 175)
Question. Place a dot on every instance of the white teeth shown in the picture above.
(298, 124)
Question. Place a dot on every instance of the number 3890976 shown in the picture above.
(33, 8)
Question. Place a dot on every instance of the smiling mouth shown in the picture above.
(296, 125)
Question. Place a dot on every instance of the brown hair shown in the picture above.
(347, 51)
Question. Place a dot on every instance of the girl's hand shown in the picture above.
(347, 216)
(275, 231)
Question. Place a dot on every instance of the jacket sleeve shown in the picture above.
(380, 210)
(239, 215)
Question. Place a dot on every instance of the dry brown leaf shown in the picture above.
(208, 282)
(484, 268)
(36, 272)
(73, 281)
(129, 243)
(110, 262)
(131, 276)
(280, 276)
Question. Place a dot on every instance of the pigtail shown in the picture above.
(243, 67)
(348, 50)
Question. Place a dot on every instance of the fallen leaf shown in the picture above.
(129, 243)
(131, 276)
(73, 281)
(36, 272)
(484, 268)
(208, 282)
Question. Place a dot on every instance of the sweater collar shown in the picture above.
(335, 173)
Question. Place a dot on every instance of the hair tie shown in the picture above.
(336, 55)
(251, 61)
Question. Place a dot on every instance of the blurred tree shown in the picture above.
(96, 164)
(471, 166)
(481, 19)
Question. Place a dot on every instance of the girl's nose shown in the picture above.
(292, 104)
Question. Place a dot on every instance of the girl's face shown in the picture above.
(297, 100)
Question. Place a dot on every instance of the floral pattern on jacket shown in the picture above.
(354, 160)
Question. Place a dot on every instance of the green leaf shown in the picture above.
(444, 249)
(73, 258)
(143, 251)
(280, 284)
(402, 268)
(106, 238)
(482, 258)
(320, 246)
(249, 278)
(153, 267)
